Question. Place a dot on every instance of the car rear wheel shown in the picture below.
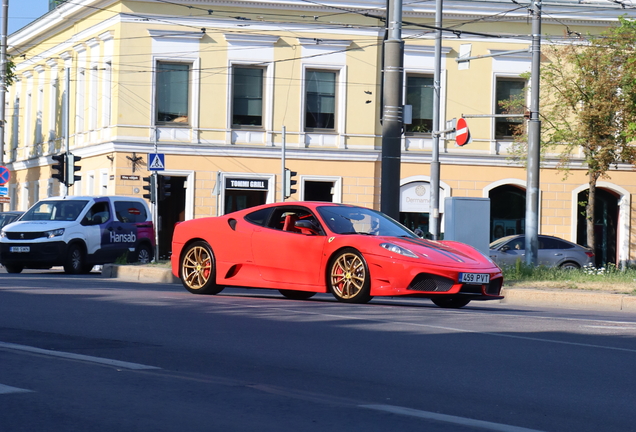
(198, 269)
(451, 302)
(348, 278)
(570, 266)
(75, 260)
(14, 268)
(297, 295)
(143, 254)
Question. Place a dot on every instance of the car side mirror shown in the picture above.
(504, 248)
(418, 232)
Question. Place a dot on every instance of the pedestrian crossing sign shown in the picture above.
(156, 162)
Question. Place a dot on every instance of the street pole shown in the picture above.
(392, 117)
(534, 143)
(434, 224)
(282, 171)
(3, 77)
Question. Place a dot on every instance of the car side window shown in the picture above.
(259, 217)
(130, 212)
(98, 214)
(517, 244)
(550, 243)
(286, 219)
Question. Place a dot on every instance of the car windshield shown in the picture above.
(359, 220)
(62, 210)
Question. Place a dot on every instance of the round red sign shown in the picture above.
(462, 134)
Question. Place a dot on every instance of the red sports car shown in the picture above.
(303, 248)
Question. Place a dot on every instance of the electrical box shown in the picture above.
(467, 220)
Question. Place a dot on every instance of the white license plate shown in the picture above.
(19, 249)
(474, 278)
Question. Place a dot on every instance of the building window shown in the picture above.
(320, 99)
(173, 93)
(509, 90)
(247, 91)
(419, 94)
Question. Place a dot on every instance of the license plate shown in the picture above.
(19, 249)
(474, 278)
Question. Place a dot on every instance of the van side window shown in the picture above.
(130, 211)
(98, 214)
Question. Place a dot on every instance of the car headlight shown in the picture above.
(2, 234)
(398, 249)
(54, 233)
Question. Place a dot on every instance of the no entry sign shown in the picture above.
(462, 136)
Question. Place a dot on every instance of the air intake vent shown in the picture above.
(431, 283)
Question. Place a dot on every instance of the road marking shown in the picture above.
(448, 418)
(5, 389)
(73, 356)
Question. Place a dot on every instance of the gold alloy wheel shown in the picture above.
(196, 267)
(348, 275)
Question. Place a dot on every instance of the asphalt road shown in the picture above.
(84, 353)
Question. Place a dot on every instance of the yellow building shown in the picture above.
(217, 87)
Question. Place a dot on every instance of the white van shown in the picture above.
(78, 232)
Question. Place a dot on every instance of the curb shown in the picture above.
(567, 299)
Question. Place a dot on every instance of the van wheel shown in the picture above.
(143, 254)
(75, 260)
(14, 268)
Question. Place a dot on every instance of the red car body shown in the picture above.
(267, 247)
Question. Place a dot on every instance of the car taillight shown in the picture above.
(590, 254)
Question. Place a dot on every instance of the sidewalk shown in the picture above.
(566, 298)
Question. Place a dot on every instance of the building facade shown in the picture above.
(219, 87)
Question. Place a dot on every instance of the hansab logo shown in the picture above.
(123, 238)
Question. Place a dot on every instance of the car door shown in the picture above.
(514, 250)
(284, 253)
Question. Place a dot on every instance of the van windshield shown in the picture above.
(62, 210)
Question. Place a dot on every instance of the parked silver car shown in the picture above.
(553, 252)
(9, 216)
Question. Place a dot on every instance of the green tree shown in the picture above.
(588, 105)
(10, 74)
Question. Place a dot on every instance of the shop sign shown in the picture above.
(246, 184)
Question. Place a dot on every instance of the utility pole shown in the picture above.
(3, 77)
(534, 142)
(392, 117)
(433, 225)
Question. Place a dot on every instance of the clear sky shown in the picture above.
(22, 12)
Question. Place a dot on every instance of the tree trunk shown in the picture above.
(589, 212)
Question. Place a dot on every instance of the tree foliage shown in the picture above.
(588, 104)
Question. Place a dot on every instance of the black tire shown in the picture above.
(569, 265)
(348, 277)
(297, 295)
(143, 254)
(75, 260)
(450, 302)
(14, 268)
(197, 269)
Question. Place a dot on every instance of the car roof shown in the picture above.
(89, 197)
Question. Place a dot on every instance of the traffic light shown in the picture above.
(163, 187)
(71, 178)
(289, 182)
(59, 167)
(151, 187)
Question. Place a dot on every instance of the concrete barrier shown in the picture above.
(139, 273)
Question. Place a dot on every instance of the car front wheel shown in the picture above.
(75, 260)
(14, 268)
(348, 278)
(198, 269)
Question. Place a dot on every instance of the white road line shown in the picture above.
(72, 356)
(448, 418)
(5, 389)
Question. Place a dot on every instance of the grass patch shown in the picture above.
(609, 278)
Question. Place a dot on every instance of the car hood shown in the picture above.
(444, 253)
(37, 226)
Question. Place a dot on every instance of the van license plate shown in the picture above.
(19, 249)
(474, 278)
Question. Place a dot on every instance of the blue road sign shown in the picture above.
(4, 190)
(5, 175)
(156, 162)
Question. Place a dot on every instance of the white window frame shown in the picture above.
(337, 185)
